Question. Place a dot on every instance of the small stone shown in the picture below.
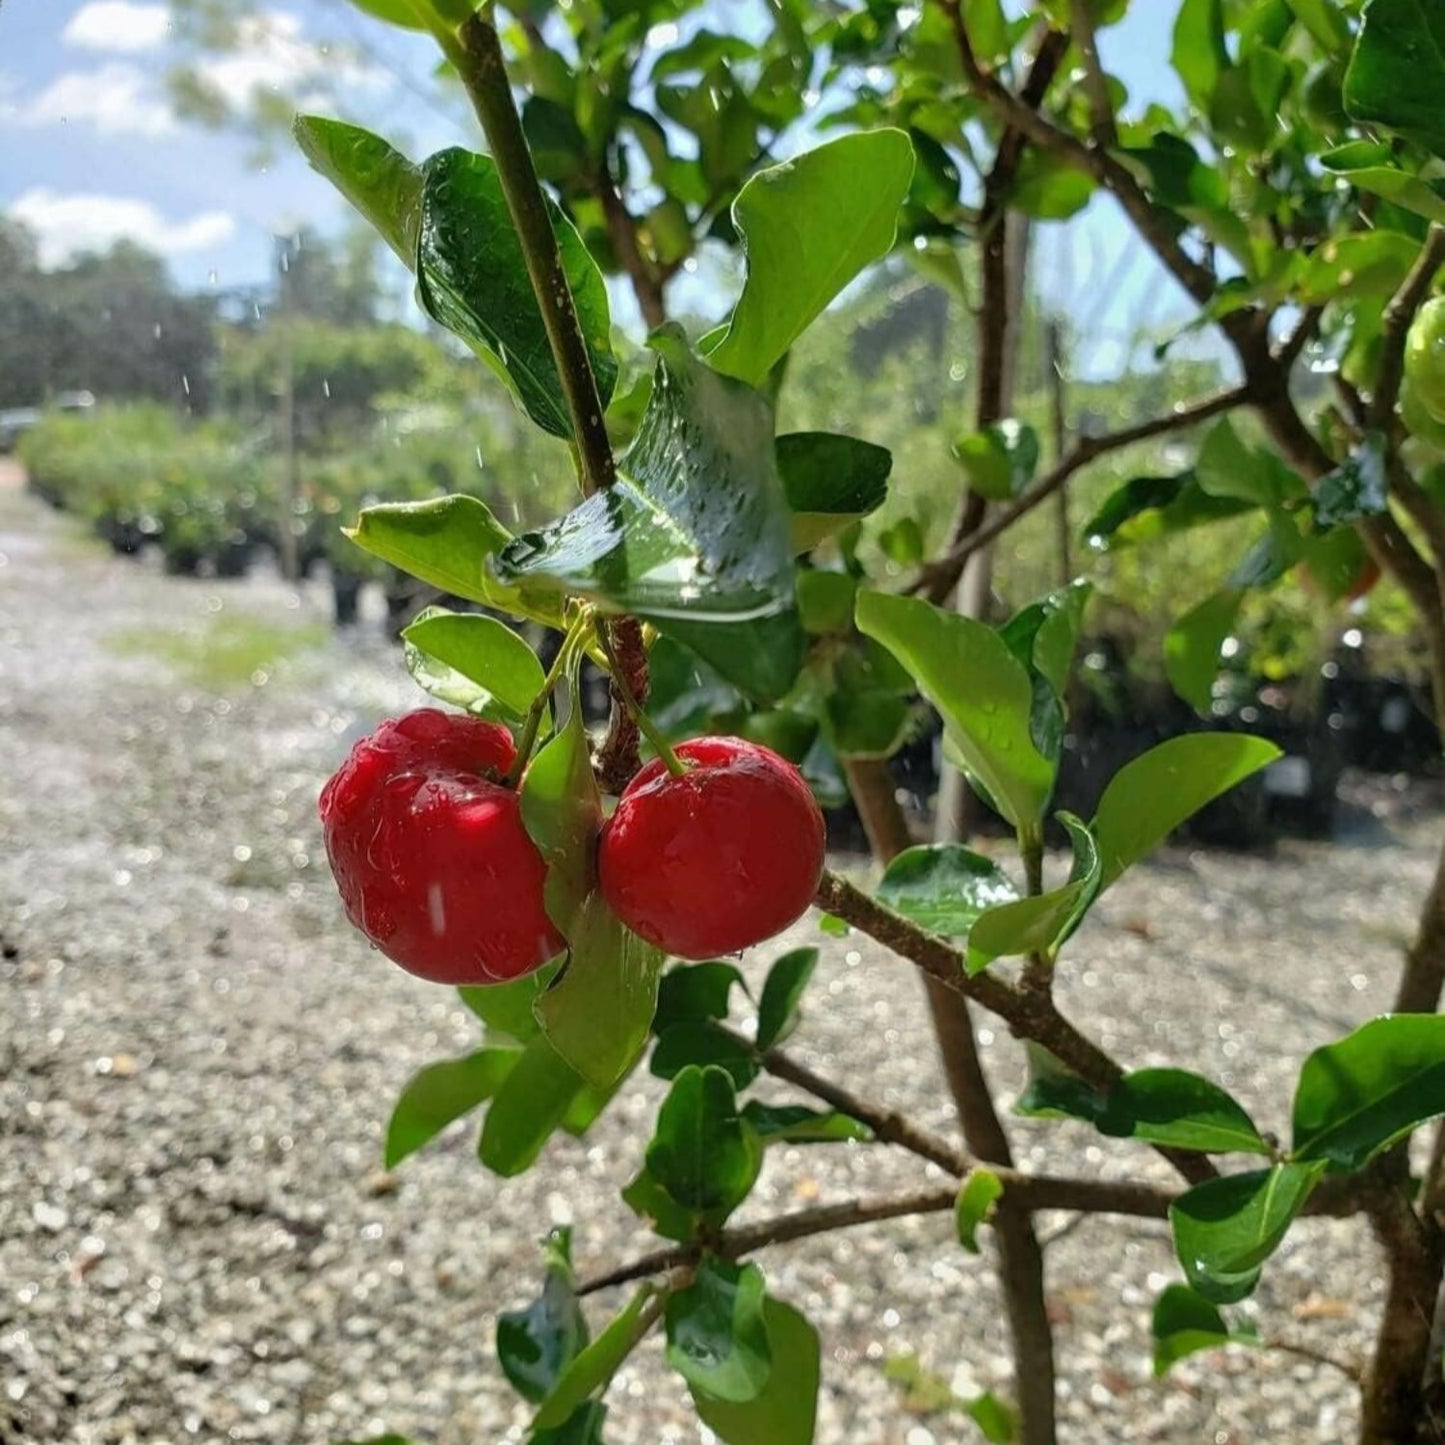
(50, 1217)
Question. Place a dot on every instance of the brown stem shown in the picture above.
(1096, 83)
(616, 758)
(1398, 316)
(622, 232)
(938, 578)
(1350, 1369)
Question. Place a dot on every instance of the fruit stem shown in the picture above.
(532, 723)
(645, 725)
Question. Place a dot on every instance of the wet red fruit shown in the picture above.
(715, 860)
(430, 854)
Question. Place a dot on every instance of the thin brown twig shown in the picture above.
(1350, 1369)
(945, 571)
(1096, 83)
(1398, 316)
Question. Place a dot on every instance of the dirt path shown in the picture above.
(197, 1059)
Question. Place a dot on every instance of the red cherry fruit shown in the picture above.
(718, 858)
(430, 854)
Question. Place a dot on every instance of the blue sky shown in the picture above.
(89, 150)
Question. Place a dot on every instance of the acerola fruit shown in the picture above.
(430, 854)
(1425, 357)
(718, 858)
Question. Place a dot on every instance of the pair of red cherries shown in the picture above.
(436, 868)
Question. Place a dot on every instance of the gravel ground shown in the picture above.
(197, 1059)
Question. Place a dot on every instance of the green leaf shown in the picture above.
(717, 1339)
(944, 887)
(808, 227)
(598, 1013)
(830, 481)
(1360, 1094)
(1325, 22)
(1185, 1323)
(379, 181)
(1148, 507)
(1041, 923)
(694, 535)
(592, 1369)
(692, 992)
(997, 1420)
(1355, 490)
(783, 995)
(650, 1201)
(1150, 797)
(506, 1008)
(502, 671)
(1043, 634)
(527, 1110)
(984, 694)
(446, 542)
(1228, 468)
(703, 1153)
(1000, 460)
(1367, 265)
(440, 1093)
(785, 1411)
(700, 1042)
(472, 278)
(825, 602)
(1199, 55)
(976, 1199)
(582, 1427)
(1048, 188)
(1180, 1110)
(797, 1124)
(562, 812)
(535, 1345)
(1055, 1091)
(1397, 72)
(1372, 167)
(1192, 647)
(1225, 1229)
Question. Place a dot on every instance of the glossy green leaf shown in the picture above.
(1054, 1091)
(830, 481)
(527, 1109)
(598, 1013)
(797, 1124)
(1193, 644)
(717, 1339)
(446, 542)
(440, 1093)
(503, 671)
(701, 1042)
(984, 694)
(694, 536)
(378, 180)
(562, 813)
(782, 995)
(825, 602)
(1360, 1094)
(651, 1202)
(1041, 923)
(1043, 634)
(1184, 1323)
(593, 1368)
(784, 1412)
(981, 1191)
(472, 278)
(808, 227)
(1148, 507)
(1151, 796)
(506, 1008)
(1199, 55)
(1367, 265)
(1397, 72)
(1181, 1110)
(944, 887)
(535, 1345)
(1226, 1228)
(582, 1427)
(1357, 489)
(703, 1153)
(1000, 460)
(692, 992)
(1373, 167)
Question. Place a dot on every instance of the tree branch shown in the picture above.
(1398, 316)
(1350, 1369)
(938, 578)
(477, 54)
(1096, 83)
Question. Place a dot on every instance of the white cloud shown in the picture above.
(118, 25)
(270, 54)
(117, 99)
(68, 224)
